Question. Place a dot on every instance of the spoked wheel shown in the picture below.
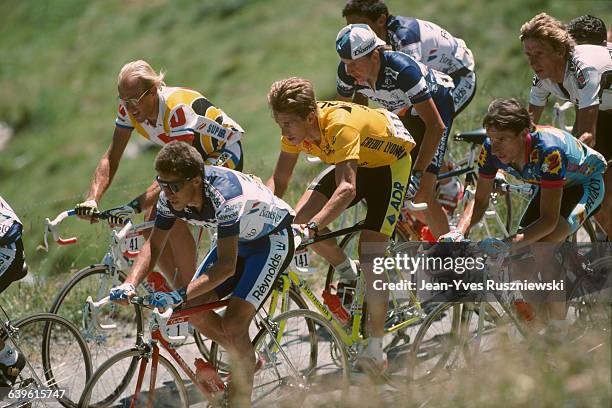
(56, 358)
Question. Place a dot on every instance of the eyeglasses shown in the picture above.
(174, 186)
(134, 101)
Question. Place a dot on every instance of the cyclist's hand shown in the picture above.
(413, 188)
(119, 215)
(86, 209)
(453, 236)
(588, 139)
(493, 246)
(122, 293)
(167, 299)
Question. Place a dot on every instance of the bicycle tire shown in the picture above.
(439, 337)
(132, 354)
(59, 360)
(277, 373)
(74, 293)
(215, 350)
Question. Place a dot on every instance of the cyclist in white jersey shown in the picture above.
(581, 74)
(162, 114)
(424, 41)
(255, 244)
(12, 268)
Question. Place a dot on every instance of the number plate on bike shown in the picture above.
(178, 326)
(133, 242)
(301, 261)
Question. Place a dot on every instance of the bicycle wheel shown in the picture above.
(219, 357)
(102, 390)
(288, 375)
(56, 355)
(442, 340)
(96, 281)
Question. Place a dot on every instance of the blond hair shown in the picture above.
(292, 95)
(550, 30)
(145, 74)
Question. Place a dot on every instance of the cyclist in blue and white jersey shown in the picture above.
(581, 74)
(420, 96)
(12, 268)
(255, 243)
(426, 42)
(568, 173)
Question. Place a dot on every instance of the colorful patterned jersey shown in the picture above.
(185, 114)
(429, 44)
(554, 157)
(236, 203)
(373, 137)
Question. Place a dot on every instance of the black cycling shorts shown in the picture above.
(383, 189)
(17, 269)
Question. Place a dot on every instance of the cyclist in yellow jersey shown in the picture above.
(369, 150)
(163, 114)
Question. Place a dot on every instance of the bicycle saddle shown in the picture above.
(473, 136)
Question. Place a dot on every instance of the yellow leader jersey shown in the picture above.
(373, 137)
(185, 114)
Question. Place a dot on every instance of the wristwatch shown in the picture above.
(417, 173)
(312, 225)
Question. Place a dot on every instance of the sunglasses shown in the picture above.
(174, 186)
(133, 101)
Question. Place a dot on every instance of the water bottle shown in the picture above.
(156, 283)
(523, 309)
(334, 304)
(208, 377)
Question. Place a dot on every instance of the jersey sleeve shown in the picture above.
(410, 80)
(164, 218)
(588, 82)
(228, 217)
(288, 147)
(486, 163)
(552, 168)
(123, 119)
(212, 121)
(538, 95)
(345, 84)
(181, 121)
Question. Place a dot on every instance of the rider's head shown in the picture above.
(138, 83)
(179, 169)
(371, 12)
(358, 48)
(507, 123)
(588, 29)
(547, 45)
(294, 107)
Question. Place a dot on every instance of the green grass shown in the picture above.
(58, 80)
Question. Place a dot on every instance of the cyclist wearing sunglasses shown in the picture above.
(162, 114)
(255, 243)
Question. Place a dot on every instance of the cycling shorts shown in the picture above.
(259, 264)
(416, 127)
(12, 264)
(465, 89)
(230, 156)
(577, 204)
(383, 189)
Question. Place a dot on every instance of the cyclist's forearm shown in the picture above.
(278, 187)
(428, 148)
(147, 199)
(338, 202)
(147, 259)
(102, 178)
(534, 233)
(471, 218)
(215, 275)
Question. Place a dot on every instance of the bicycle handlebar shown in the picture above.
(93, 308)
(52, 227)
